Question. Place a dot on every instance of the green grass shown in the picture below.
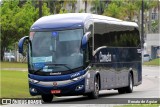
(14, 84)
(140, 105)
(155, 62)
(13, 65)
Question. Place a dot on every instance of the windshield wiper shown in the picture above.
(38, 70)
(50, 65)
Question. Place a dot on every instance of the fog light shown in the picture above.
(33, 90)
(79, 87)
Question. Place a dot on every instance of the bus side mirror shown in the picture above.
(85, 40)
(21, 43)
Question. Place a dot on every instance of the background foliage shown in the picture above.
(17, 15)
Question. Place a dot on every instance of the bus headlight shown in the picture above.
(33, 81)
(78, 78)
(33, 90)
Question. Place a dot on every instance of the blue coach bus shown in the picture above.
(81, 54)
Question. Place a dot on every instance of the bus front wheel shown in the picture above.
(95, 93)
(47, 98)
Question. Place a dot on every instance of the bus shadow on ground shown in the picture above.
(81, 99)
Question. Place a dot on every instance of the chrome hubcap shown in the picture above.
(131, 83)
(96, 88)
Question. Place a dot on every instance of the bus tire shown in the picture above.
(129, 88)
(95, 93)
(47, 98)
(121, 90)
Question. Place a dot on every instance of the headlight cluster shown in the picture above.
(32, 80)
(80, 77)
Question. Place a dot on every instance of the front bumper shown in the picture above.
(69, 87)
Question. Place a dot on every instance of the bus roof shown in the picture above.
(70, 20)
(60, 21)
(111, 20)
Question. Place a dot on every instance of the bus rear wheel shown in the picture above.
(95, 93)
(121, 90)
(47, 98)
(129, 88)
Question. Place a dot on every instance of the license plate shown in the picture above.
(55, 91)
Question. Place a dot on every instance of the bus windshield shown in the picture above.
(58, 48)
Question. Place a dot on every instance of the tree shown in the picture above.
(8, 9)
(57, 6)
(63, 11)
(98, 6)
(86, 2)
(50, 5)
(16, 21)
(26, 16)
(122, 9)
(130, 10)
(113, 11)
(40, 8)
(154, 25)
(149, 4)
(73, 5)
(45, 9)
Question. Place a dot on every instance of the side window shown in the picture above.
(90, 44)
(101, 35)
(138, 43)
(97, 35)
(115, 36)
(128, 37)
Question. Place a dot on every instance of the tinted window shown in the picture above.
(115, 36)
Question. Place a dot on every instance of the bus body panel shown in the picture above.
(67, 89)
(57, 77)
(114, 65)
